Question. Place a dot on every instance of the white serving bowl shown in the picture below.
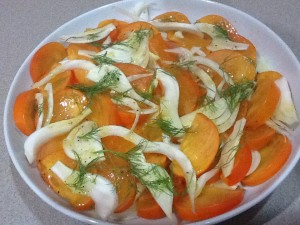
(268, 44)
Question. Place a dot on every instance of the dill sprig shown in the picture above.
(136, 38)
(80, 180)
(168, 128)
(89, 135)
(236, 93)
(187, 64)
(103, 59)
(118, 96)
(222, 33)
(110, 80)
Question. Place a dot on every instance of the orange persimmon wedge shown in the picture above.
(73, 51)
(232, 33)
(47, 156)
(190, 91)
(262, 103)
(24, 111)
(273, 75)
(273, 157)
(68, 103)
(211, 202)
(259, 137)
(147, 207)
(172, 16)
(238, 66)
(43, 60)
(200, 145)
(241, 166)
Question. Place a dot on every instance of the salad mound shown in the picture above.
(159, 117)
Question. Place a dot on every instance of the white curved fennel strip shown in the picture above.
(209, 84)
(134, 49)
(97, 187)
(169, 102)
(202, 180)
(175, 26)
(157, 147)
(230, 148)
(64, 66)
(285, 111)
(155, 178)
(49, 90)
(41, 136)
(90, 35)
(84, 143)
(219, 38)
(122, 85)
(132, 104)
(40, 103)
(256, 158)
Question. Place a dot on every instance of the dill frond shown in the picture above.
(109, 81)
(103, 59)
(89, 135)
(168, 128)
(222, 33)
(185, 64)
(80, 180)
(236, 93)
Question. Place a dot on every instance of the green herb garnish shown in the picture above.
(168, 128)
(222, 33)
(110, 80)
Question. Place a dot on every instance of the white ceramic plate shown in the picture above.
(268, 45)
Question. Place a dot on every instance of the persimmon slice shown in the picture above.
(262, 103)
(24, 111)
(259, 137)
(211, 202)
(273, 157)
(147, 207)
(241, 166)
(43, 60)
(200, 145)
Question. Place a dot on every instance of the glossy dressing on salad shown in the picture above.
(159, 116)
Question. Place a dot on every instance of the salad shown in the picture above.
(160, 117)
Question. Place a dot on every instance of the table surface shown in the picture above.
(26, 23)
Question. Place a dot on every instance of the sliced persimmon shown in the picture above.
(200, 144)
(68, 103)
(172, 16)
(239, 67)
(147, 207)
(158, 46)
(272, 75)
(273, 157)
(104, 111)
(232, 33)
(190, 91)
(211, 202)
(241, 166)
(259, 137)
(126, 30)
(43, 60)
(25, 108)
(157, 159)
(73, 51)
(51, 152)
(262, 103)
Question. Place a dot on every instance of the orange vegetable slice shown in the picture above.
(68, 103)
(273, 157)
(259, 137)
(272, 75)
(232, 33)
(211, 202)
(200, 145)
(126, 30)
(241, 166)
(43, 60)
(73, 49)
(147, 207)
(239, 67)
(172, 16)
(25, 108)
(262, 103)
(47, 156)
